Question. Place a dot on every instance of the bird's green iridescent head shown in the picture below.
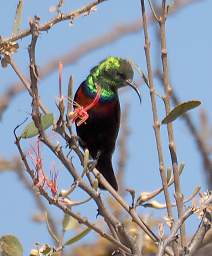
(111, 74)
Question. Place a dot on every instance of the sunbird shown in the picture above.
(97, 111)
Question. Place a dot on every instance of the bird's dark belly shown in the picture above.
(99, 132)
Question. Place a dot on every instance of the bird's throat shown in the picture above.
(106, 91)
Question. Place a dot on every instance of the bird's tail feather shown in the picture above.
(104, 166)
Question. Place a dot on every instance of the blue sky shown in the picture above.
(189, 51)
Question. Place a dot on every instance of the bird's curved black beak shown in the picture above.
(132, 84)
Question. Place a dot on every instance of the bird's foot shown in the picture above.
(92, 163)
(75, 141)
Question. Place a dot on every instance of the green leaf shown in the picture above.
(51, 232)
(180, 109)
(30, 130)
(18, 17)
(10, 246)
(69, 222)
(77, 237)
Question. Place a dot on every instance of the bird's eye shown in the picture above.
(122, 76)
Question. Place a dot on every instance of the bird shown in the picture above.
(97, 111)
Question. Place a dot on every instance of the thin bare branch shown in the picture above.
(172, 145)
(85, 48)
(155, 114)
(204, 226)
(59, 18)
(173, 235)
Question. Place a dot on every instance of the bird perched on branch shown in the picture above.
(97, 111)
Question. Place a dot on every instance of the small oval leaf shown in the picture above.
(77, 237)
(180, 109)
(18, 17)
(10, 246)
(30, 130)
(69, 222)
